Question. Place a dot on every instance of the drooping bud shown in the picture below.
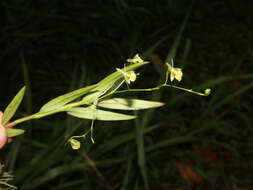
(75, 144)
(207, 91)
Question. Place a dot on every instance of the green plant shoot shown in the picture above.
(95, 99)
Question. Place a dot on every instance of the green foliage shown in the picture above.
(97, 114)
(66, 98)
(128, 104)
(59, 39)
(95, 93)
(65, 102)
(14, 132)
(13, 106)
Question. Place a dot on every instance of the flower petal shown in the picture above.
(172, 76)
(178, 73)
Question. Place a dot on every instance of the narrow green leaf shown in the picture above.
(11, 109)
(96, 114)
(66, 98)
(14, 132)
(128, 104)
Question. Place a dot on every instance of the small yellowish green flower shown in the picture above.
(135, 59)
(75, 144)
(129, 76)
(175, 73)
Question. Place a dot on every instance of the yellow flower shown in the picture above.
(136, 59)
(175, 73)
(75, 144)
(129, 76)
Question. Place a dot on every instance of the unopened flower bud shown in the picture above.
(207, 91)
(75, 144)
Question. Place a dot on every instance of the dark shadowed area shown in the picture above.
(193, 142)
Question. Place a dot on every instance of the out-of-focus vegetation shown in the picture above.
(193, 142)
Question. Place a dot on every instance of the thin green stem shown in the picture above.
(187, 90)
(154, 89)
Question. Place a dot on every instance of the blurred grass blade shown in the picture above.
(154, 47)
(176, 42)
(53, 173)
(141, 152)
(224, 79)
(126, 179)
(28, 95)
(13, 106)
(90, 113)
(66, 98)
(14, 132)
(129, 104)
(120, 140)
(229, 98)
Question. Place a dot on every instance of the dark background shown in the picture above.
(196, 142)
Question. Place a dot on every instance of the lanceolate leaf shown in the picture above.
(14, 132)
(96, 114)
(66, 98)
(13, 106)
(129, 104)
